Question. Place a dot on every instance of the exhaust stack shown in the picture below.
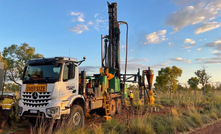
(149, 76)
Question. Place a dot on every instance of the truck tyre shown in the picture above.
(77, 116)
(112, 107)
(119, 106)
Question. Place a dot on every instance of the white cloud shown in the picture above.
(121, 60)
(185, 2)
(199, 49)
(90, 23)
(133, 66)
(207, 27)
(194, 14)
(138, 60)
(99, 23)
(170, 44)
(188, 50)
(187, 40)
(212, 60)
(200, 59)
(215, 51)
(96, 15)
(216, 44)
(218, 54)
(79, 28)
(131, 50)
(89, 69)
(75, 13)
(179, 59)
(161, 65)
(81, 18)
(156, 37)
(123, 46)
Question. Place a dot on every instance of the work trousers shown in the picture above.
(132, 102)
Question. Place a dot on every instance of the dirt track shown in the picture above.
(214, 128)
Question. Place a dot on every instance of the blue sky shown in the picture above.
(162, 33)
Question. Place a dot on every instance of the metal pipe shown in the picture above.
(125, 57)
(101, 50)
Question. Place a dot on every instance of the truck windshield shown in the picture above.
(42, 73)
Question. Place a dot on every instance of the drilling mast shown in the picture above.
(112, 45)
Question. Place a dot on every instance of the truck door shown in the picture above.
(69, 86)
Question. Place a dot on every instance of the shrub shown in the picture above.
(139, 126)
(115, 125)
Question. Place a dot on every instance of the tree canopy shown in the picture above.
(168, 78)
(15, 58)
(203, 77)
(12, 87)
(193, 82)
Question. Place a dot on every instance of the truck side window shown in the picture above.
(66, 70)
(69, 71)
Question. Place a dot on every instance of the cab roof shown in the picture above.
(49, 60)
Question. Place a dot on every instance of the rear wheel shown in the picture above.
(112, 107)
(119, 106)
(77, 116)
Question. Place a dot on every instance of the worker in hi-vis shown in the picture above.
(131, 98)
(7, 105)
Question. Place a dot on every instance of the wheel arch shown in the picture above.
(77, 100)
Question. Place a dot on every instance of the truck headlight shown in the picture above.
(53, 111)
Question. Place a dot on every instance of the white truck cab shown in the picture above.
(50, 87)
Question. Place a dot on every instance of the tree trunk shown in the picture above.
(170, 94)
(195, 97)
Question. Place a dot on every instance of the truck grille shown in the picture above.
(41, 100)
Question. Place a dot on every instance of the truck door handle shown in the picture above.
(74, 91)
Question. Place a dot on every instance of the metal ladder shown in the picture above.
(106, 105)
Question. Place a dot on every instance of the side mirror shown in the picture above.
(71, 71)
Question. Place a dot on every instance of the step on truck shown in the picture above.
(54, 88)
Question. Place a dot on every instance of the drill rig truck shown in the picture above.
(54, 88)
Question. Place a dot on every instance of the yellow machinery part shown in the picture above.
(109, 75)
(152, 99)
(101, 71)
(79, 80)
(106, 104)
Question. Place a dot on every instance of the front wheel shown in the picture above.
(77, 116)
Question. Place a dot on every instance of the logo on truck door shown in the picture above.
(70, 87)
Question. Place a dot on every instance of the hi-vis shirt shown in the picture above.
(131, 95)
(7, 104)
